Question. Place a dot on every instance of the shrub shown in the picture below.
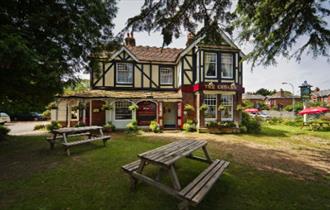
(53, 126)
(211, 124)
(132, 126)
(274, 120)
(154, 127)
(203, 108)
(46, 114)
(109, 126)
(39, 127)
(189, 108)
(251, 124)
(189, 126)
(229, 124)
(133, 107)
(3, 132)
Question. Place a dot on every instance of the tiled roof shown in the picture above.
(155, 54)
(252, 96)
(125, 94)
(322, 93)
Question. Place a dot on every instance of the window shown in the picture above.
(227, 112)
(166, 75)
(125, 73)
(210, 65)
(211, 102)
(122, 111)
(227, 67)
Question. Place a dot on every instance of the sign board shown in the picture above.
(212, 86)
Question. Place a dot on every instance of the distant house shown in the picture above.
(281, 99)
(254, 98)
(321, 96)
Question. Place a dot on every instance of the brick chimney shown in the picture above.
(281, 93)
(190, 38)
(130, 40)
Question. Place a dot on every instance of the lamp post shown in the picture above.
(293, 101)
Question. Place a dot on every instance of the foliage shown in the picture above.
(43, 45)
(53, 126)
(132, 126)
(189, 126)
(3, 132)
(247, 104)
(46, 114)
(239, 108)
(203, 107)
(109, 126)
(293, 20)
(78, 87)
(170, 17)
(265, 92)
(51, 106)
(211, 124)
(154, 127)
(221, 107)
(189, 108)
(229, 124)
(133, 107)
(39, 127)
(250, 124)
(274, 120)
(262, 106)
(274, 27)
(107, 106)
(297, 107)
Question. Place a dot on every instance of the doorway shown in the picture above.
(170, 115)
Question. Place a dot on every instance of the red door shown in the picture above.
(146, 113)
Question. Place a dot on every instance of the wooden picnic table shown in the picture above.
(64, 133)
(165, 158)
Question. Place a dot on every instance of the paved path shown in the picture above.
(25, 128)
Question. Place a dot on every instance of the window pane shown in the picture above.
(227, 67)
(122, 111)
(166, 75)
(124, 73)
(227, 112)
(210, 64)
(211, 102)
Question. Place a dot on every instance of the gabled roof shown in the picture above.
(155, 54)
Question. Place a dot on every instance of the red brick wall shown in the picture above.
(189, 98)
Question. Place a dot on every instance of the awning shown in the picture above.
(170, 96)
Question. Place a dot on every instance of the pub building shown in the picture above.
(159, 83)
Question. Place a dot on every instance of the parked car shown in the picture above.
(31, 116)
(4, 118)
(261, 115)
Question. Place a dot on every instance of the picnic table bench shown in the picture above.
(64, 133)
(165, 157)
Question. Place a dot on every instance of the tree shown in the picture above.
(275, 27)
(264, 92)
(43, 44)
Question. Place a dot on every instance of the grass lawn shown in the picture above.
(281, 168)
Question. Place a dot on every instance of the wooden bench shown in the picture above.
(67, 145)
(194, 192)
(131, 167)
(52, 142)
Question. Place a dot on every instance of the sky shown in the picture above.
(315, 71)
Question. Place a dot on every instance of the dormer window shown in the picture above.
(210, 65)
(227, 66)
(124, 73)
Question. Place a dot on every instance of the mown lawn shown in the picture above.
(33, 177)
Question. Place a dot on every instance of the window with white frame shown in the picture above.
(122, 111)
(227, 111)
(227, 65)
(166, 75)
(211, 102)
(210, 65)
(124, 73)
